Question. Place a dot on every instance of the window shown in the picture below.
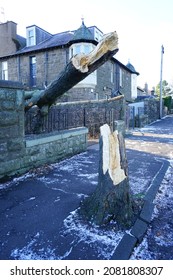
(31, 39)
(84, 48)
(4, 70)
(121, 77)
(77, 49)
(32, 71)
(80, 48)
(87, 49)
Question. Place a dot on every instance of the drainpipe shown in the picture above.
(161, 68)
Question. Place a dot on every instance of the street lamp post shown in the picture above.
(161, 69)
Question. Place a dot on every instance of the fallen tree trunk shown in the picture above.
(79, 67)
(111, 199)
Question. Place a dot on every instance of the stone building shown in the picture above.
(37, 61)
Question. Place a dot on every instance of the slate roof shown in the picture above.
(82, 34)
(61, 39)
(132, 68)
(21, 40)
(56, 40)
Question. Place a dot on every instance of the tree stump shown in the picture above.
(111, 199)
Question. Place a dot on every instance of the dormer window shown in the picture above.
(31, 36)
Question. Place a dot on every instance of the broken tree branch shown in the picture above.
(79, 67)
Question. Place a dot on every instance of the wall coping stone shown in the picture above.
(85, 102)
(10, 84)
(35, 140)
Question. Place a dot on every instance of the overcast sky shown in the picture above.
(142, 26)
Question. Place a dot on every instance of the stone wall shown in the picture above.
(125, 87)
(142, 113)
(18, 154)
(53, 147)
(152, 109)
(12, 142)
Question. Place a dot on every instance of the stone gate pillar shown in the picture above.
(12, 142)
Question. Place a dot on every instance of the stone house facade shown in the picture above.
(44, 56)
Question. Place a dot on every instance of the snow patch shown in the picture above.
(29, 252)
(103, 241)
(31, 198)
(142, 251)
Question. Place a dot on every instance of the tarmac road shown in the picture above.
(38, 218)
(158, 241)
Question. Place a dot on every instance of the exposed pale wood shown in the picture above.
(111, 199)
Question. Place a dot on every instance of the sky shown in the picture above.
(143, 26)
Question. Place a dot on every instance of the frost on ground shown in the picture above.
(158, 242)
(28, 252)
(102, 241)
(79, 237)
(75, 239)
(78, 240)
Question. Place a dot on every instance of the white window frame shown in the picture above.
(133, 86)
(80, 48)
(31, 38)
(121, 77)
(84, 48)
(4, 70)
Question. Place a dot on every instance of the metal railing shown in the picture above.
(133, 119)
(62, 119)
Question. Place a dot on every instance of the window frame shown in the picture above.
(31, 39)
(121, 78)
(80, 48)
(4, 74)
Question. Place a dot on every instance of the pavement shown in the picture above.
(38, 211)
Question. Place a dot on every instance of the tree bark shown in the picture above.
(79, 67)
(111, 199)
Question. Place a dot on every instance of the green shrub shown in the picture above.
(168, 102)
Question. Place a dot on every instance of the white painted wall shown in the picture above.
(134, 85)
(137, 105)
(89, 81)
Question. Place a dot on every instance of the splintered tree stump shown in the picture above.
(111, 199)
(79, 67)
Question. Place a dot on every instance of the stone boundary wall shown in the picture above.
(19, 154)
(151, 112)
(144, 113)
(152, 109)
(53, 147)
